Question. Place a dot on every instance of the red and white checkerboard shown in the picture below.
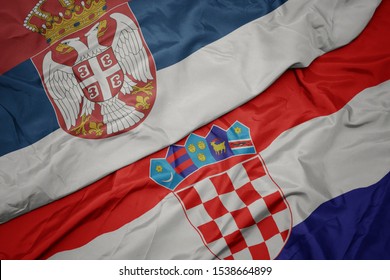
(240, 214)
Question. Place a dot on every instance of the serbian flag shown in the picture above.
(298, 172)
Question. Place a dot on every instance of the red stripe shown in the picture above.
(299, 95)
(74, 220)
(183, 166)
(176, 155)
(254, 169)
(240, 144)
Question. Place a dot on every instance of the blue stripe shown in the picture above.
(188, 171)
(25, 111)
(355, 225)
(175, 29)
(181, 159)
(244, 151)
(178, 161)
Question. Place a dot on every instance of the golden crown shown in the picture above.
(73, 17)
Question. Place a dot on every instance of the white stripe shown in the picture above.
(312, 163)
(328, 156)
(142, 238)
(215, 79)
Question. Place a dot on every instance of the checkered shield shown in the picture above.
(239, 214)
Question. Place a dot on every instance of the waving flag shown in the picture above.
(107, 83)
(285, 175)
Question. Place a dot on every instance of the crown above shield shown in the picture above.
(72, 16)
(183, 160)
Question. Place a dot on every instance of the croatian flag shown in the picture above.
(298, 172)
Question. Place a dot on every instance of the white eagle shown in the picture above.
(66, 91)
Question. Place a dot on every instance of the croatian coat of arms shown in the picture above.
(227, 193)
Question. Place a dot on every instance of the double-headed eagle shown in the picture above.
(67, 91)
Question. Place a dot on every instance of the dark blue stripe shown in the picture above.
(179, 160)
(182, 159)
(355, 225)
(172, 29)
(188, 171)
(25, 111)
(175, 29)
(173, 151)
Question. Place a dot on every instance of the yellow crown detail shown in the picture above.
(73, 18)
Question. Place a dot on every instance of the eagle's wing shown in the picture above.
(65, 90)
(129, 50)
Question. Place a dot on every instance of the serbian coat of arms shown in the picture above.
(98, 71)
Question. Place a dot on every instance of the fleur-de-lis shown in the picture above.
(142, 102)
(95, 128)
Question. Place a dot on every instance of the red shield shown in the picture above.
(100, 77)
(91, 77)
